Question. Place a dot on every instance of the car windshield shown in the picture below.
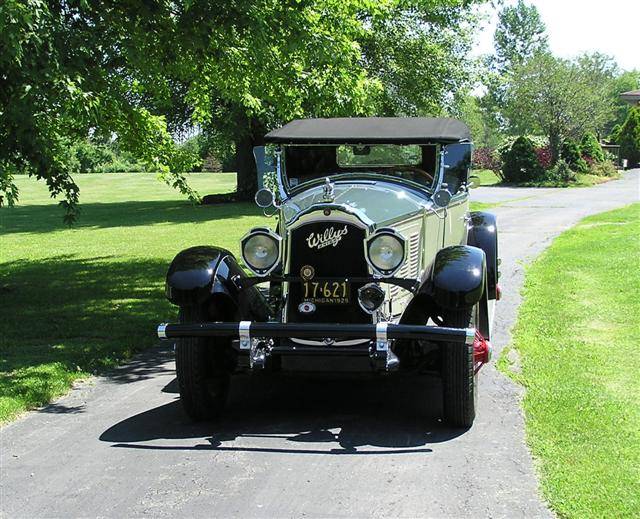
(306, 163)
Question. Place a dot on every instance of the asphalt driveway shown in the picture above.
(119, 446)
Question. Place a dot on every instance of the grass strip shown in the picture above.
(577, 336)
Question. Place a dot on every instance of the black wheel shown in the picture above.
(459, 382)
(202, 370)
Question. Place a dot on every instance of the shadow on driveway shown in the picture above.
(287, 414)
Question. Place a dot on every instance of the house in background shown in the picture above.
(632, 97)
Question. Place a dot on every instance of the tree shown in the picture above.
(389, 58)
(519, 35)
(418, 53)
(141, 71)
(555, 97)
(630, 137)
(484, 130)
(66, 71)
(624, 82)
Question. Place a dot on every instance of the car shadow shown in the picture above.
(300, 415)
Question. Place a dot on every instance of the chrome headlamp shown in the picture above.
(261, 250)
(386, 251)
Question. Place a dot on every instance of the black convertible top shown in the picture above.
(370, 130)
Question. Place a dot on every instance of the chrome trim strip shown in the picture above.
(244, 332)
(282, 192)
(349, 215)
(348, 342)
(471, 335)
(162, 334)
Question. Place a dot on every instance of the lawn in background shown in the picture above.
(577, 335)
(78, 300)
(484, 177)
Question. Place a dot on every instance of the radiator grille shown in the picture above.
(344, 259)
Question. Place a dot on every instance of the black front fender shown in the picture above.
(198, 274)
(458, 277)
(483, 233)
(457, 280)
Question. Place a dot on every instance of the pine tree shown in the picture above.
(590, 147)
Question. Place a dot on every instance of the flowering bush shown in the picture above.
(487, 158)
(544, 157)
(536, 140)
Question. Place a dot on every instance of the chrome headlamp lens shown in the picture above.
(386, 251)
(261, 251)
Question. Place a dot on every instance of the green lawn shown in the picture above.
(484, 177)
(577, 335)
(73, 301)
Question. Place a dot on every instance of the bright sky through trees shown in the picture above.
(577, 26)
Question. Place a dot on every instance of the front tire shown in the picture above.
(459, 382)
(203, 374)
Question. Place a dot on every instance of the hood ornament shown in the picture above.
(327, 191)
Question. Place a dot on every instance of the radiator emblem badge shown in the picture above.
(307, 272)
(330, 236)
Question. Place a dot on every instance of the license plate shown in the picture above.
(326, 292)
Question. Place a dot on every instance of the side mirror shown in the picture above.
(441, 198)
(264, 198)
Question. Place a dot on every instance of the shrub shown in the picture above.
(544, 157)
(521, 162)
(537, 140)
(561, 172)
(630, 137)
(614, 136)
(487, 158)
(570, 153)
(121, 164)
(603, 169)
(590, 148)
(90, 155)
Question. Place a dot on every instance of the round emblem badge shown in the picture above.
(306, 307)
(307, 272)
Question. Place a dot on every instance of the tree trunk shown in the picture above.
(252, 134)
(554, 145)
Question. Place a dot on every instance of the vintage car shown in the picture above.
(375, 264)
